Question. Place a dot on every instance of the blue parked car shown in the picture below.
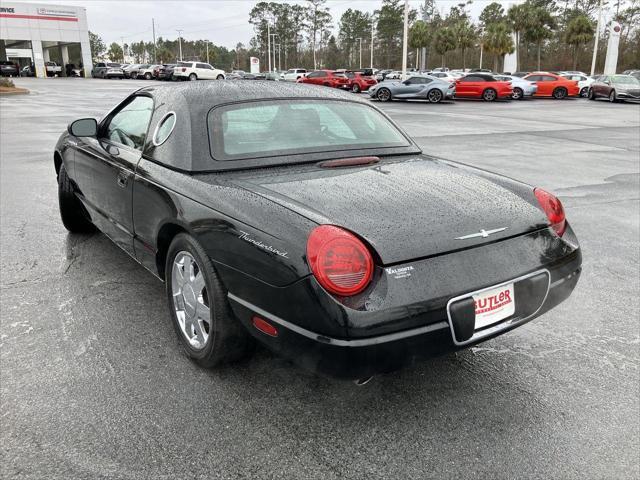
(521, 88)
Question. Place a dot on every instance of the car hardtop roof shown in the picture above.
(209, 94)
(481, 75)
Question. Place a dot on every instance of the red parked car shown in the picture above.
(359, 82)
(328, 78)
(484, 86)
(552, 85)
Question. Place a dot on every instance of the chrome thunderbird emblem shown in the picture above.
(482, 233)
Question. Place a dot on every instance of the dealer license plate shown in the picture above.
(494, 305)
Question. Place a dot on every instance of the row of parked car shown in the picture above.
(386, 85)
(435, 86)
(167, 71)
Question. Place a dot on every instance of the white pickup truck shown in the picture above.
(53, 69)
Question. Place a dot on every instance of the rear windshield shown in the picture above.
(288, 127)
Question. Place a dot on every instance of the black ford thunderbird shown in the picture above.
(305, 219)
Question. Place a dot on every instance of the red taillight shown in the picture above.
(264, 326)
(552, 207)
(341, 263)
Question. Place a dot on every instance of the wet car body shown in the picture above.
(438, 232)
(422, 87)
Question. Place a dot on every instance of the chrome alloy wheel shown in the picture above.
(190, 300)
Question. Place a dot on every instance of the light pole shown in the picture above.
(207, 50)
(279, 57)
(180, 42)
(360, 64)
(595, 45)
(405, 35)
(153, 27)
(372, 30)
(274, 35)
(269, 44)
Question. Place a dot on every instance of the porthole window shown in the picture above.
(164, 129)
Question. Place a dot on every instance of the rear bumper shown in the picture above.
(354, 358)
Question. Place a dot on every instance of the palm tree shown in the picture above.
(444, 41)
(540, 28)
(497, 40)
(419, 37)
(519, 18)
(466, 36)
(579, 31)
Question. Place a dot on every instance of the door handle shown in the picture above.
(122, 179)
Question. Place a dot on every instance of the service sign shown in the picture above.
(56, 12)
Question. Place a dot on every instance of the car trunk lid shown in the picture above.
(405, 209)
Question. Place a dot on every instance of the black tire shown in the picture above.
(355, 88)
(612, 96)
(434, 96)
(220, 77)
(147, 76)
(584, 92)
(592, 94)
(559, 93)
(72, 212)
(517, 94)
(193, 77)
(489, 95)
(228, 339)
(383, 95)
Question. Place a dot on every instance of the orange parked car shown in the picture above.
(552, 85)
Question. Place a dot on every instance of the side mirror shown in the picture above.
(85, 127)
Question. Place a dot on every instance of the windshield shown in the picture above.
(276, 128)
(626, 80)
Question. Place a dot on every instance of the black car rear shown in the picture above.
(165, 71)
(315, 224)
(9, 69)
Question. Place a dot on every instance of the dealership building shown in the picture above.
(32, 34)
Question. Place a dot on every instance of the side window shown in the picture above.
(129, 126)
(313, 75)
(547, 78)
(321, 74)
(471, 78)
(201, 65)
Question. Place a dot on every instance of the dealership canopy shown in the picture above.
(33, 34)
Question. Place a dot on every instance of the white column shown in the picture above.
(64, 53)
(611, 60)
(38, 58)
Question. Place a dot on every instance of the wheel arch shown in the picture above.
(57, 161)
(165, 236)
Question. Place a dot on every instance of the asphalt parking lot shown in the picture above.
(94, 385)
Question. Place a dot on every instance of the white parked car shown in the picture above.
(146, 71)
(584, 82)
(197, 71)
(53, 69)
(395, 75)
(448, 76)
(294, 74)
